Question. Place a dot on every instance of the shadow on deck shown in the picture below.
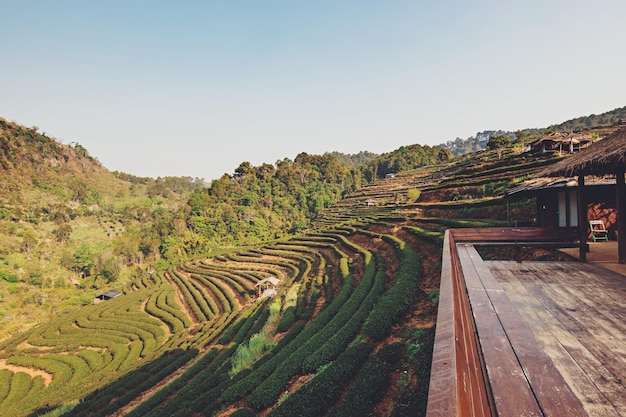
(527, 338)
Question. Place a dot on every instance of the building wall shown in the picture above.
(601, 205)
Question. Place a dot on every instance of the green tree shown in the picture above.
(29, 241)
(84, 259)
(63, 232)
(110, 269)
(413, 194)
(499, 142)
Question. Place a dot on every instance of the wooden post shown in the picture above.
(621, 217)
(582, 218)
(508, 211)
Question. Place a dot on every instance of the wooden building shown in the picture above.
(606, 157)
(562, 142)
(556, 201)
(109, 295)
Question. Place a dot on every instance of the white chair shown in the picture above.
(598, 231)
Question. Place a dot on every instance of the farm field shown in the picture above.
(349, 325)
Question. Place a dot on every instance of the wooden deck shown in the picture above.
(576, 312)
(603, 254)
(527, 338)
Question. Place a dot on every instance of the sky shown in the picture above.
(193, 88)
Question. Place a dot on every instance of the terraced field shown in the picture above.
(350, 326)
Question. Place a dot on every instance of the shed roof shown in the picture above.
(606, 156)
(270, 280)
(546, 183)
(110, 294)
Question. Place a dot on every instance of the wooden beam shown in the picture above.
(457, 383)
(582, 218)
(621, 216)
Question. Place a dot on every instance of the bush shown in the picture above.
(8, 277)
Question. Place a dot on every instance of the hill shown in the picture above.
(601, 124)
(349, 330)
(67, 225)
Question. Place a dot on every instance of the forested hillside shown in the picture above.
(261, 203)
(591, 124)
(70, 228)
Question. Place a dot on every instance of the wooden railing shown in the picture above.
(475, 369)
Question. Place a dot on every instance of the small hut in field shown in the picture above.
(371, 202)
(266, 288)
(109, 295)
(605, 157)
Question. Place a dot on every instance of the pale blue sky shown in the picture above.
(193, 88)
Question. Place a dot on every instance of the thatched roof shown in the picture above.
(556, 184)
(606, 156)
(271, 280)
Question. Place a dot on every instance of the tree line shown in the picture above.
(270, 201)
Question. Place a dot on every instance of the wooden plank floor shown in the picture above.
(578, 313)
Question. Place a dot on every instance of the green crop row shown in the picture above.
(157, 306)
(80, 369)
(252, 274)
(303, 272)
(122, 391)
(169, 303)
(222, 291)
(215, 298)
(246, 320)
(322, 241)
(210, 371)
(434, 237)
(242, 286)
(399, 297)
(208, 404)
(94, 359)
(319, 394)
(193, 296)
(287, 319)
(368, 388)
(5, 383)
(264, 261)
(61, 372)
(22, 386)
(124, 325)
(282, 359)
(147, 334)
(97, 342)
(356, 311)
(270, 389)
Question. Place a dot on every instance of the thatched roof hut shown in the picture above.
(266, 288)
(606, 156)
